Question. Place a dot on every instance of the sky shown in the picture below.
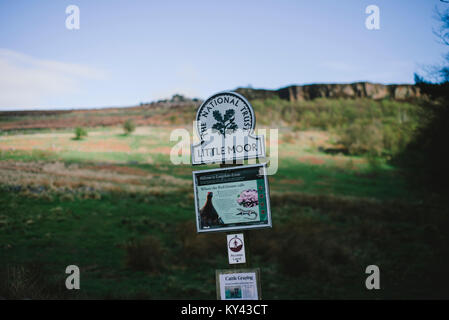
(128, 52)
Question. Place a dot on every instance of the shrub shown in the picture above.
(303, 247)
(66, 197)
(145, 255)
(29, 281)
(80, 133)
(425, 157)
(129, 126)
(394, 121)
(201, 247)
(361, 138)
(172, 119)
(396, 137)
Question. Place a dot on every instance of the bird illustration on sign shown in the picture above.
(209, 216)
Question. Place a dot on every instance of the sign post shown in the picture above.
(234, 198)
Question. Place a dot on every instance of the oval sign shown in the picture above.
(225, 113)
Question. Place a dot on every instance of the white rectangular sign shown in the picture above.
(233, 148)
(238, 284)
(236, 248)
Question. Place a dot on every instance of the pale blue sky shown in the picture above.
(131, 51)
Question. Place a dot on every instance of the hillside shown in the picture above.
(157, 113)
(286, 105)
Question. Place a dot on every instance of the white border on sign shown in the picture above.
(263, 166)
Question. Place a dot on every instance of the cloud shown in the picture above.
(26, 81)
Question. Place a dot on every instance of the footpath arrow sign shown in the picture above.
(236, 248)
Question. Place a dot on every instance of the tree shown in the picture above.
(129, 127)
(427, 156)
(80, 133)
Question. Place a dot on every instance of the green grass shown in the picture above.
(383, 183)
(320, 244)
(330, 220)
(33, 155)
(84, 232)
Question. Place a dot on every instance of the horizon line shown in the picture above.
(72, 108)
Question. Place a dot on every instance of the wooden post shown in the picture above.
(220, 110)
(247, 264)
(248, 255)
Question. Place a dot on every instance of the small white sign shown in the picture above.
(238, 284)
(236, 248)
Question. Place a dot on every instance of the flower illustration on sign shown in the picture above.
(248, 198)
(225, 124)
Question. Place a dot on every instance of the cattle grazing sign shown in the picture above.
(238, 284)
(233, 198)
(225, 123)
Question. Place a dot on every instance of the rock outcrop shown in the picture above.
(374, 91)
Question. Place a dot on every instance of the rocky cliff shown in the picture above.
(351, 90)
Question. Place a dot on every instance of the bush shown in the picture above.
(391, 123)
(197, 248)
(425, 157)
(396, 137)
(29, 281)
(363, 138)
(66, 197)
(306, 246)
(145, 255)
(80, 133)
(129, 126)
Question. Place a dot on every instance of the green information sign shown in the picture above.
(230, 199)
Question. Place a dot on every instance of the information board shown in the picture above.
(235, 198)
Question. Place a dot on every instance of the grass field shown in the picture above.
(115, 206)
